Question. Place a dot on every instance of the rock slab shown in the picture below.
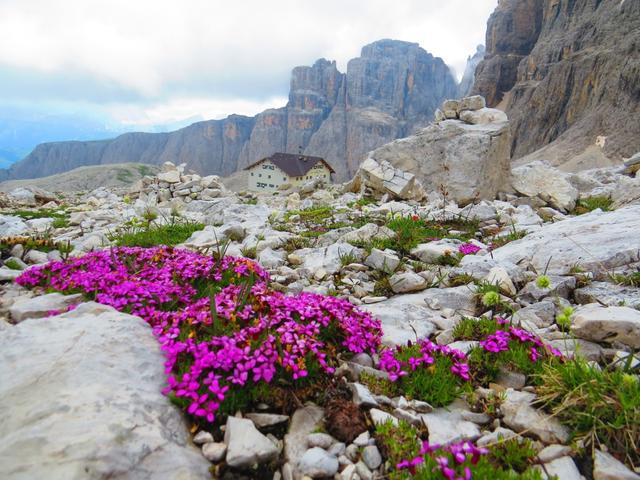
(75, 411)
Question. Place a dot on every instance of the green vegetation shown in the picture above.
(379, 386)
(147, 234)
(410, 231)
(507, 460)
(13, 264)
(628, 279)
(144, 170)
(600, 406)
(435, 384)
(502, 240)
(588, 204)
(397, 444)
(60, 216)
(123, 175)
(516, 454)
(474, 329)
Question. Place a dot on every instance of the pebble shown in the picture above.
(371, 457)
(214, 452)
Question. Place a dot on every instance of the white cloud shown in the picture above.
(194, 57)
(177, 109)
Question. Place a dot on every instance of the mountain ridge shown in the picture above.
(387, 92)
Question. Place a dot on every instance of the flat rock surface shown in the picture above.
(595, 241)
(88, 402)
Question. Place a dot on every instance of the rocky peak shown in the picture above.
(398, 78)
(316, 86)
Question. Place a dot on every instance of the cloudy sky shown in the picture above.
(151, 62)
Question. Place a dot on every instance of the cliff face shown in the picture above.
(466, 84)
(567, 78)
(391, 89)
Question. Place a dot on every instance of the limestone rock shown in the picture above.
(384, 260)
(318, 463)
(214, 451)
(550, 184)
(403, 317)
(594, 241)
(473, 103)
(606, 467)
(522, 64)
(40, 306)
(462, 299)
(447, 425)
(246, 446)
(368, 232)
(470, 161)
(407, 282)
(520, 416)
(383, 178)
(607, 324)
(74, 410)
(563, 468)
(304, 421)
(483, 116)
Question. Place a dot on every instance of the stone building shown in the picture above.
(268, 174)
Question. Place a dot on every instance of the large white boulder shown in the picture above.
(80, 396)
(607, 324)
(548, 183)
(466, 162)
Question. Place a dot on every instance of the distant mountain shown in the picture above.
(390, 90)
(466, 84)
(21, 130)
(566, 72)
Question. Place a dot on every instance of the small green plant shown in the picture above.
(517, 454)
(461, 279)
(382, 286)
(347, 258)
(491, 299)
(397, 444)
(379, 386)
(502, 240)
(450, 259)
(628, 279)
(474, 329)
(600, 406)
(60, 223)
(249, 252)
(146, 234)
(543, 281)
(436, 383)
(564, 319)
(588, 204)
(13, 264)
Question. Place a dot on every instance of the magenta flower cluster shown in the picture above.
(499, 342)
(218, 322)
(449, 459)
(468, 249)
(396, 369)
